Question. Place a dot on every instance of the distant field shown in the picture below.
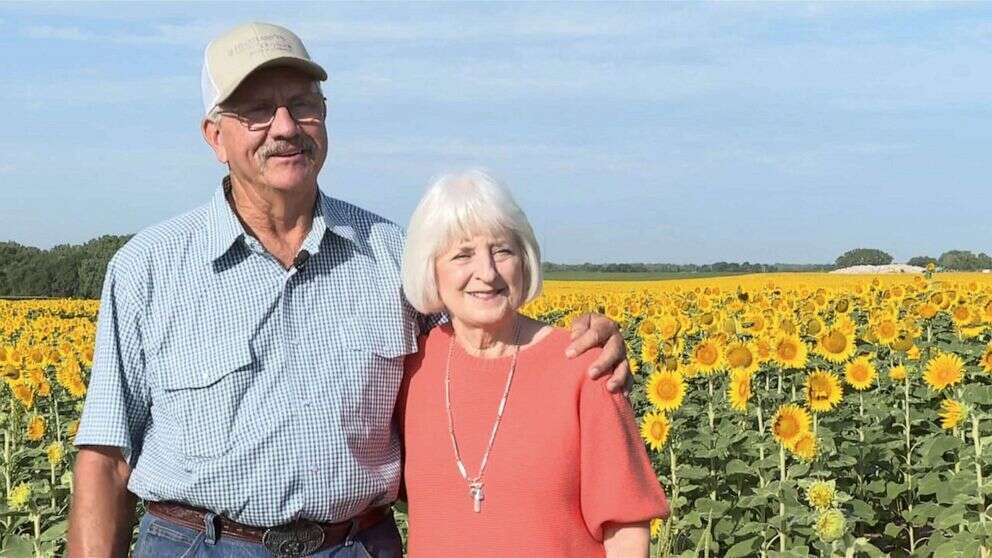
(627, 276)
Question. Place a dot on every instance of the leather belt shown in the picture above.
(292, 540)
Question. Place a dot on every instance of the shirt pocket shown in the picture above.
(206, 389)
(376, 352)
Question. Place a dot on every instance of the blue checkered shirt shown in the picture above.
(235, 385)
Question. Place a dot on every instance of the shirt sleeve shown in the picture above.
(117, 404)
(618, 483)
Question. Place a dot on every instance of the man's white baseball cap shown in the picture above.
(231, 57)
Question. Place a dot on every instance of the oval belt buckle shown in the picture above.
(293, 540)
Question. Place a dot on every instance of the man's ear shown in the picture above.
(212, 135)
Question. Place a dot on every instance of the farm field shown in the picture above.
(626, 275)
(785, 414)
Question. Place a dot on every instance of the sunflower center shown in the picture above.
(788, 427)
(667, 390)
(835, 342)
(744, 389)
(706, 354)
(657, 430)
(859, 373)
(739, 357)
(787, 350)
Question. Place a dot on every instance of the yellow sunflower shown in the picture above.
(951, 413)
(913, 353)
(986, 361)
(823, 391)
(656, 525)
(649, 350)
(943, 370)
(789, 423)
(19, 496)
(821, 494)
(961, 315)
(654, 430)
(860, 373)
(790, 351)
(741, 356)
(739, 390)
(830, 525)
(928, 310)
(36, 428)
(814, 326)
(897, 373)
(763, 348)
(706, 357)
(805, 446)
(23, 392)
(55, 452)
(668, 327)
(886, 331)
(666, 390)
(836, 346)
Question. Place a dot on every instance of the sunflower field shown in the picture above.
(785, 414)
(810, 414)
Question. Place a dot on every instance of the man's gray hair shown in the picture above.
(457, 206)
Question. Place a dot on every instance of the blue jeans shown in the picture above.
(161, 538)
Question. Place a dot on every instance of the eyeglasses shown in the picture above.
(311, 109)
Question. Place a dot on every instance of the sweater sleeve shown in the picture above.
(618, 483)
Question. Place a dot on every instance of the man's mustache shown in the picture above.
(304, 145)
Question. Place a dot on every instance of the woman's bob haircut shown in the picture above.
(457, 206)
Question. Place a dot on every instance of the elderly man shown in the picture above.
(249, 352)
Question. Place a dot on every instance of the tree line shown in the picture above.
(952, 260)
(65, 271)
(720, 267)
(76, 271)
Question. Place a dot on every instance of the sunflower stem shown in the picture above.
(58, 419)
(861, 416)
(909, 462)
(781, 502)
(978, 467)
(675, 483)
(761, 443)
(712, 417)
(36, 524)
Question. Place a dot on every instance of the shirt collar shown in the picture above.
(225, 227)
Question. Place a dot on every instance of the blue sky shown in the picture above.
(688, 133)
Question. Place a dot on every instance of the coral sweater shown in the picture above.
(566, 461)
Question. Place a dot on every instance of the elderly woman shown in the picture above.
(511, 450)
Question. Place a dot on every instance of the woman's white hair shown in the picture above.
(456, 206)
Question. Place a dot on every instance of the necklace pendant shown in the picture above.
(477, 496)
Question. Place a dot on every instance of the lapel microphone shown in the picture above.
(300, 261)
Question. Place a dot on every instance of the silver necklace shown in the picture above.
(475, 484)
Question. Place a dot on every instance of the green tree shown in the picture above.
(922, 261)
(863, 256)
(964, 260)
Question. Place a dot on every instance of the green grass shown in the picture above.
(628, 276)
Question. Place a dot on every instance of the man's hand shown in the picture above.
(596, 330)
(102, 513)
